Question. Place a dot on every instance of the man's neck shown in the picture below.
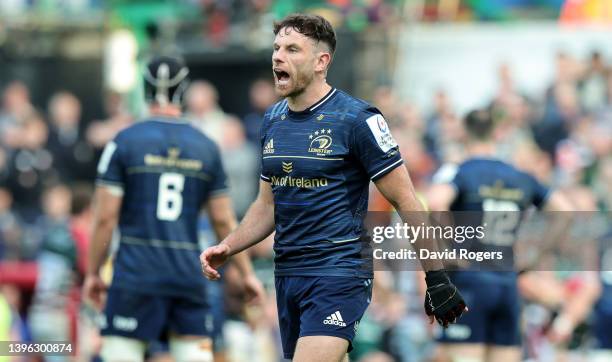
(481, 148)
(165, 111)
(313, 93)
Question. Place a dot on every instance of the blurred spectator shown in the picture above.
(246, 332)
(512, 131)
(433, 125)
(16, 104)
(561, 108)
(80, 221)
(203, 110)
(31, 167)
(533, 160)
(48, 315)
(561, 112)
(100, 132)
(10, 228)
(217, 21)
(73, 157)
(83, 316)
(258, 19)
(241, 165)
(16, 108)
(262, 96)
(387, 103)
(506, 86)
(594, 84)
(387, 308)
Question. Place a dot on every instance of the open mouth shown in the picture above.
(282, 77)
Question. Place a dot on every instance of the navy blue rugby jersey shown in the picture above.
(319, 163)
(167, 170)
(495, 194)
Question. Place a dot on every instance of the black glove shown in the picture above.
(442, 298)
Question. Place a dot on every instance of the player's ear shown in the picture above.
(323, 61)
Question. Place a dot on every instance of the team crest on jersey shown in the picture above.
(269, 147)
(288, 167)
(320, 142)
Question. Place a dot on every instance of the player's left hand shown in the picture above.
(212, 258)
(443, 302)
(254, 290)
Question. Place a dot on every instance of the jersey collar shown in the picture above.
(315, 106)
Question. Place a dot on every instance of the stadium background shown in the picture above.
(69, 82)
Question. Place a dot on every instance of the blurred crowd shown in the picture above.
(48, 163)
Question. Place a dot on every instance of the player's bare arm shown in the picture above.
(107, 204)
(443, 302)
(223, 221)
(397, 188)
(256, 225)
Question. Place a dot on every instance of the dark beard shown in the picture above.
(300, 86)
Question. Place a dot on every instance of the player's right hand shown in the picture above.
(94, 291)
(212, 258)
(443, 302)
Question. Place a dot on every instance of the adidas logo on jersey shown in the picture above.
(269, 147)
(335, 319)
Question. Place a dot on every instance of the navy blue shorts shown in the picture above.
(320, 306)
(149, 317)
(494, 315)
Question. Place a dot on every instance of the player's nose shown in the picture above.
(278, 57)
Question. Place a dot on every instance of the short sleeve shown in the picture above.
(539, 191)
(373, 145)
(218, 184)
(111, 166)
(262, 147)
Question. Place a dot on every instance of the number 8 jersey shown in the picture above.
(165, 170)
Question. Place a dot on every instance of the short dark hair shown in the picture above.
(82, 193)
(313, 26)
(479, 124)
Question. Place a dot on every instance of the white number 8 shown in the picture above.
(169, 197)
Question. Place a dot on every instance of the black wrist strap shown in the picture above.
(436, 277)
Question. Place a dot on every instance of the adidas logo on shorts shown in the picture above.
(335, 319)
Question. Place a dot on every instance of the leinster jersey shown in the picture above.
(166, 171)
(319, 163)
(495, 194)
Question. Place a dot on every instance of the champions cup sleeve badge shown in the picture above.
(380, 130)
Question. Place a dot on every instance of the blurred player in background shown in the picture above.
(490, 332)
(320, 149)
(153, 180)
